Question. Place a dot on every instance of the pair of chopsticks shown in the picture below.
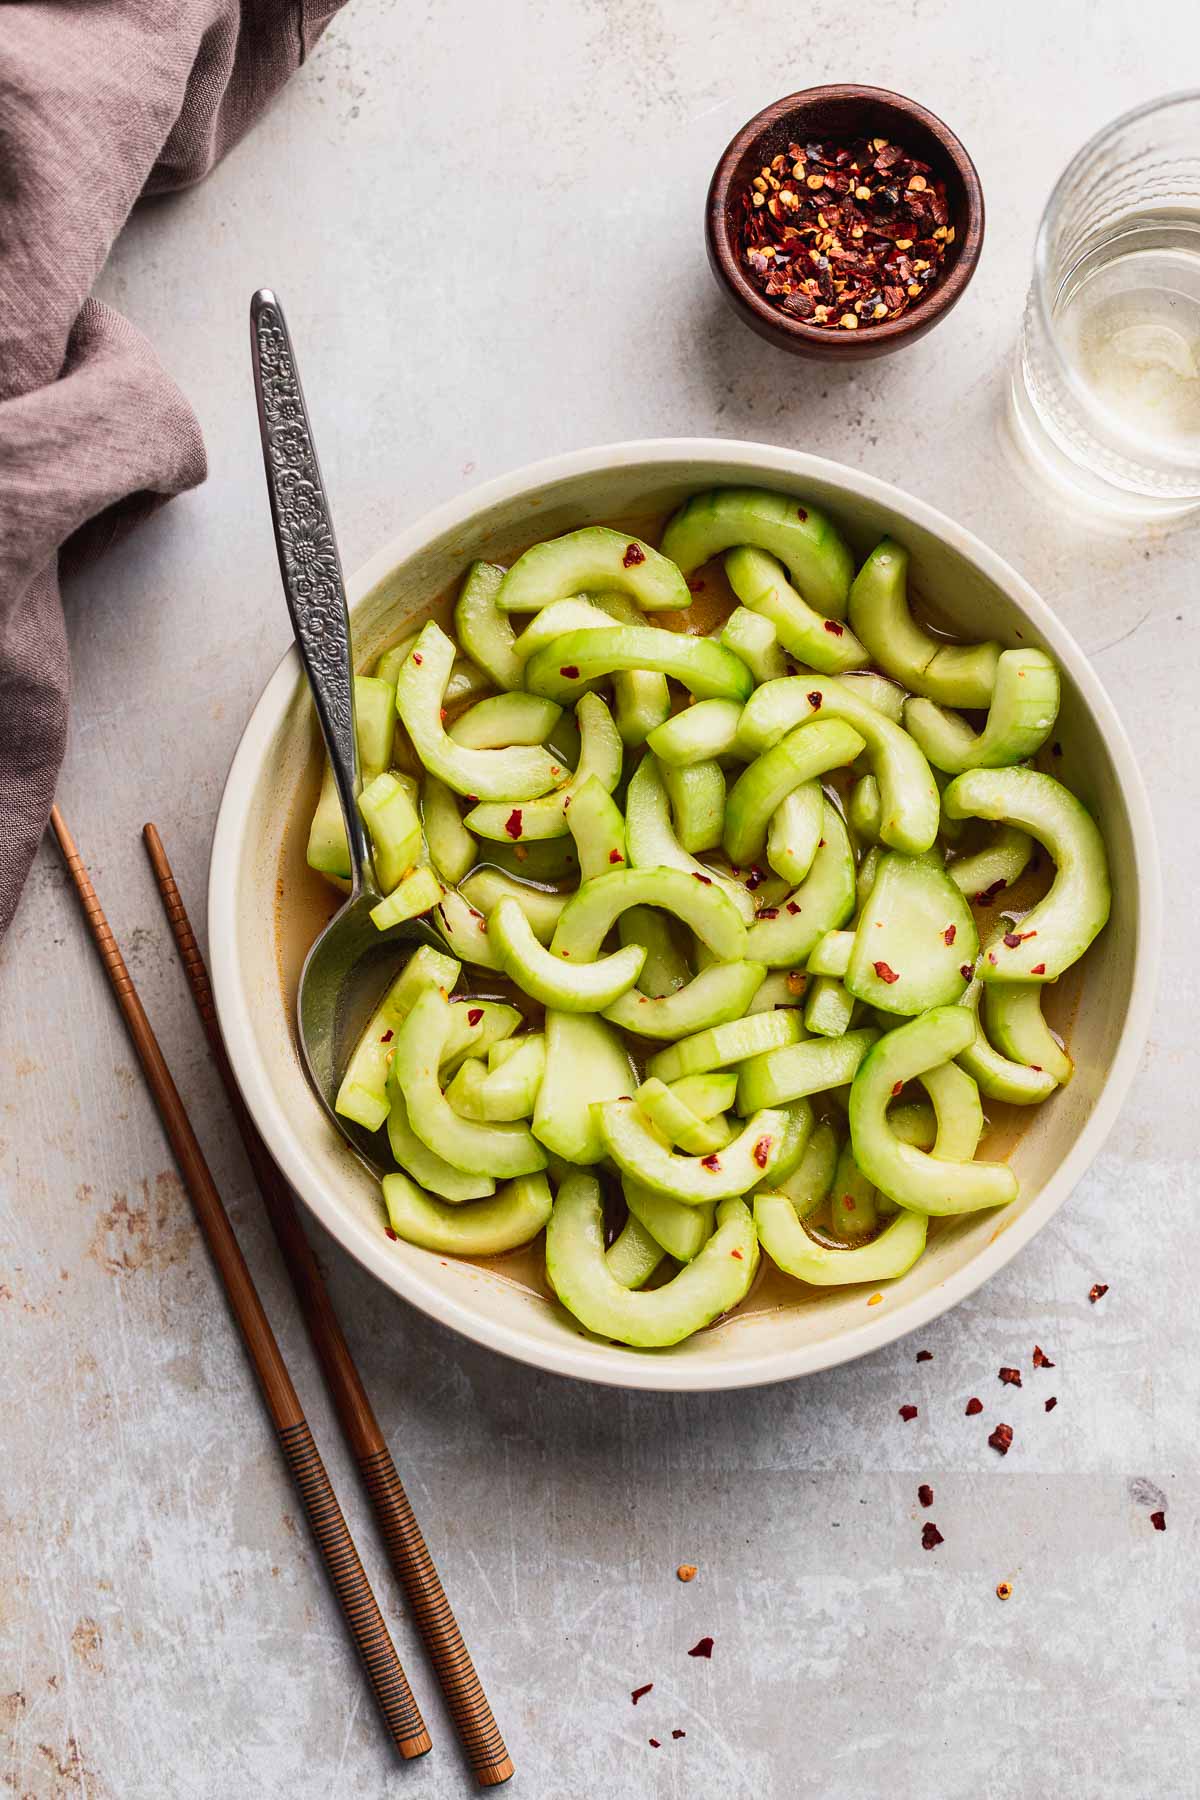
(413, 1565)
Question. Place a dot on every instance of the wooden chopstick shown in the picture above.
(346, 1574)
(414, 1567)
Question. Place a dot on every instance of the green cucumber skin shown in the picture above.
(500, 1150)
(594, 908)
(415, 893)
(713, 997)
(558, 618)
(495, 1021)
(1077, 906)
(912, 1178)
(395, 828)
(795, 832)
(464, 928)
(601, 756)
(812, 1179)
(634, 1255)
(424, 1165)
(957, 1111)
(586, 1062)
(718, 1278)
(704, 668)
(805, 540)
(682, 1231)
(485, 887)
(519, 773)
(792, 1249)
(374, 731)
(752, 639)
(595, 822)
(452, 849)
(994, 1075)
(828, 1007)
(697, 796)
(546, 976)
(677, 1122)
(665, 969)
(1015, 1025)
(832, 954)
(760, 583)
(482, 629)
(481, 1228)
(504, 719)
(594, 557)
(706, 1095)
(853, 1212)
(811, 750)
(797, 1070)
(755, 1035)
(954, 674)
(697, 734)
(652, 841)
(901, 961)
(362, 1095)
(824, 901)
(1001, 862)
(750, 1157)
(1020, 718)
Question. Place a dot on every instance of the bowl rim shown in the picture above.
(572, 1357)
(794, 332)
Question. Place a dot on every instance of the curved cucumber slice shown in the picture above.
(697, 796)
(829, 1007)
(997, 866)
(665, 969)
(503, 1150)
(475, 1026)
(914, 1122)
(752, 639)
(600, 755)
(994, 1075)
(1021, 717)
(567, 986)
(634, 1255)
(812, 1179)
(853, 1213)
(911, 1177)
(697, 734)
(482, 629)
(706, 1095)
(795, 832)
(374, 730)
(832, 954)
(785, 936)
(560, 617)
(486, 1228)
(957, 1111)
(865, 810)
(593, 910)
(716, 1280)
(562, 670)
(864, 880)
(594, 821)
(677, 1122)
(681, 1230)
(594, 557)
(954, 674)
(425, 1165)
(504, 719)
(452, 849)
(783, 987)
(639, 1152)
(1060, 927)
(799, 1069)
(806, 541)
(913, 939)
(466, 681)
(909, 799)
(713, 997)
(802, 755)
(723, 1045)
(585, 1062)
(876, 690)
(485, 889)
(413, 895)
(395, 829)
(518, 773)
(1016, 1026)
(510, 1090)
(362, 1095)
(544, 859)
(465, 1093)
(797, 1253)
(643, 699)
(759, 581)
(465, 930)
(652, 841)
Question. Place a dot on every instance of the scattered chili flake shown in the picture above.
(513, 823)
(974, 1406)
(797, 981)
(1098, 1291)
(762, 1151)
(802, 514)
(637, 1693)
(755, 878)
(991, 956)
(897, 1088)
(678, 1734)
(792, 907)
(388, 1232)
(1050, 1404)
(737, 1255)
(472, 799)
(831, 625)
(1004, 1590)
(988, 894)
(924, 1355)
(474, 1015)
(925, 1494)
(1159, 1521)
(908, 1412)
(687, 1571)
(614, 856)
(634, 554)
(711, 1163)
(767, 912)
(654, 1743)
(417, 657)
(703, 1648)
(1001, 1438)
(1038, 969)
(815, 699)
(570, 672)
(931, 1537)
(706, 879)
(875, 1300)
(1012, 1377)
(1011, 940)
(387, 1037)
(1040, 1359)
(950, 933)
(886, 974)
(966, 970)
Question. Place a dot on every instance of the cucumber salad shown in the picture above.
(711, 981)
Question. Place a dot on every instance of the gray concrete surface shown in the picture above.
(486, 225)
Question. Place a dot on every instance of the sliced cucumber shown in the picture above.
(914, 1122)
(452, 849)
(828, 1007)
(1020, 718)
(634, 1255)
(993, 1074)
(665, 969)
(545, 859)
(706, 1095)
(600, 756)
(595, 822)
(395, 829)
(957, 1110)
(1060, 927)
(953, 674)
(485, 888)
(832, 954)
(913, 938)
(911, 1177)
(501, 1150)
(681, 1230)
(697, 796)
(592, 911)
(876, 690)
(465, 1092)
(723, 1045)
(558, 618)
(504, 719)
(712, 997)
(591, 558)
(782, 987)
(562, 670)
(642, 699)
(585, 1062)
(697, 734)
(798, 1069)
(811, 1180)
(795, 832)
(652, 841)
(853, 1214)
(752, 639)
(865, 810)
(805, 540)
(677, 1122)
(799, 1254)
(425, 1165)
(374, 730)
(747, 1159)
(1015, 1024)
(786, 935)
(997, 866)
(484, 1228)
(510, 1090)
(546, 975)
(362, 1095)
(803, 754)
(482, 629)
(475, 1025)
(415, 894)
(714, 1282)
(519, 773)
(760, 582)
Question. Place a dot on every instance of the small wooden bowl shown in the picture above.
(839, 114)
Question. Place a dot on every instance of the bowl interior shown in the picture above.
(262, 917)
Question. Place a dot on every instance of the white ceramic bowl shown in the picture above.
(625, 483)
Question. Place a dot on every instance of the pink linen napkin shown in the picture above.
(101, 101)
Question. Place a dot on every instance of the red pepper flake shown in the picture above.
(767, 912)
(832, 626)
(989, 893)
(472, 799)
(513, 823)
(801, 514)
(925, 1494)
(1159, 1521)
(695, 585)
(387, 1037)
(1038, 969)
(991, 957)
(886, 974)
(931, 1537)
(711, 1163)
(654, 1743)
(614, 856)
(703, 1648)
(966, 970)
(762, 1151)
(1004, 1590)
(634, 554)
(570, 672)
(1011, 1377)
(737, 1255)
(792, 907)
(924, 1355)
(755, 878)
(1011, 940)
(1001, 1438)
(1051, 1403)
(474, 1015)
(678, 1734)
(1040, 1359)
(897, 1088)
(417, 657)
(706, 879)
(950, 933)
(388, 1232)
(637, 1693)
(1097, 1292)
(907, 1413)
(974, 1406)
(815, 699)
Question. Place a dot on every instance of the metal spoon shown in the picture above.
(346, 971)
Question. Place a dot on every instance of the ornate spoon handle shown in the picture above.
(308, 557)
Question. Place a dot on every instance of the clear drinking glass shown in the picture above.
(1106, 390)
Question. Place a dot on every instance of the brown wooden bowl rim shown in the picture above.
(919, 318)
